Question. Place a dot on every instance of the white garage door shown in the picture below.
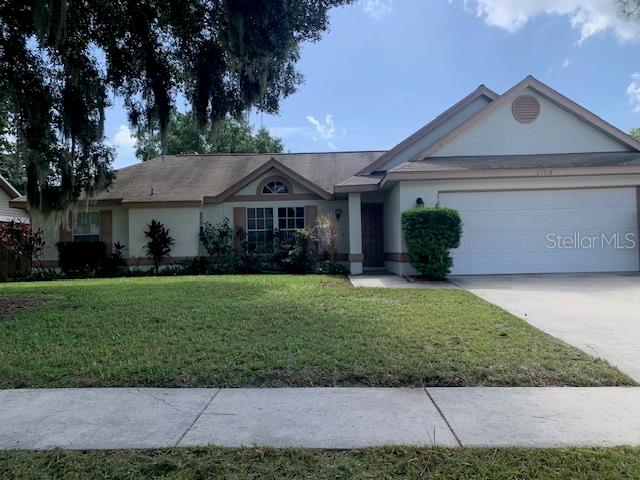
(546, 231)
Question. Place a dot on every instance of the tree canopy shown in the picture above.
(635, 133)
(11, 164)
(62, 60)
(230, 136)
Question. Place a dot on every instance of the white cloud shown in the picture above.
(377, 8)
(125, 144)
(123, 138)
(566, 63)
(326, 130)
(633, 91)
(589, 16)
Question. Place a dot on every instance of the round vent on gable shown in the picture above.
(525, 108)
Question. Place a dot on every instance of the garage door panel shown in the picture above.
(611, 218)
(477, 222)
(508, 232)
(477, 244)
(577, 198)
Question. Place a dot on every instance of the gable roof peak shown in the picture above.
(480, 91)
(548, 93)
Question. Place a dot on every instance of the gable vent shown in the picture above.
(525, 108)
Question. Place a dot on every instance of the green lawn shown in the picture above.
(272, 330)
(403, 463)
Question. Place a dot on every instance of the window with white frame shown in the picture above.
(259, 228)
(86, 226)
(275, 187)
(290, 220)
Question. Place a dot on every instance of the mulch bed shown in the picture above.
(13, 305)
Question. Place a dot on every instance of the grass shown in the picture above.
(386, 463)
(274, 330)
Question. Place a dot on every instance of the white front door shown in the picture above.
(546, 231)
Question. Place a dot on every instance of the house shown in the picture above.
(542, 185)
(8, 212)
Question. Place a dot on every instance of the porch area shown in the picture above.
(374, 232)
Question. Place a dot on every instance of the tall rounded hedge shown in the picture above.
(430, 233)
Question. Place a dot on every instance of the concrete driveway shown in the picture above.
(598, 313)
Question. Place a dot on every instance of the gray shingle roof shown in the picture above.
(192, 177)
(372, 179)
(489, 162)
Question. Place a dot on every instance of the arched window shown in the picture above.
(275, 187)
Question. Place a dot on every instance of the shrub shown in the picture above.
(195, 266)
(430, 234)
(159, 244)
(301, 256)
(248, 262)
(81, 259)
(273, 260)
(329, 267)
(327, 232)
(45, 274)
(21, 248)
(115, 265)
(218, 240)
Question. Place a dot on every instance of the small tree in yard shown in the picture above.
(22, 246)
(301, 258)
(327, 233)
(218, 240)
(430, 234)
(159, 244)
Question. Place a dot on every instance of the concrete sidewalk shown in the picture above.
(113, 418)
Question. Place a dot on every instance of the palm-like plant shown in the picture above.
(159, 244)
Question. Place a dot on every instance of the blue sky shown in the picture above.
(387, 67)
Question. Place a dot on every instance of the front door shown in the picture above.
(372, 236)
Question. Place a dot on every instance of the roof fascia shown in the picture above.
(7, 187)
(514, 173)
(356, 188)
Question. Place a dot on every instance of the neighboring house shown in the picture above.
(9, 212)
(524, 169)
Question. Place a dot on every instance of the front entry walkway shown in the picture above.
(388, 280)
(126, 418)
(598, 313)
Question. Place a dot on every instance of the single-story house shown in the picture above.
(542, 185)
(8, 212)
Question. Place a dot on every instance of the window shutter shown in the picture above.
(106, 229)
(66, 234)
(239, 221)
(310, 216)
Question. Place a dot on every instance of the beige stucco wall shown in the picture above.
(409, 191)
(50, 225)
(218, 212)
(554, 131)
(392, 228)
(183, 224)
